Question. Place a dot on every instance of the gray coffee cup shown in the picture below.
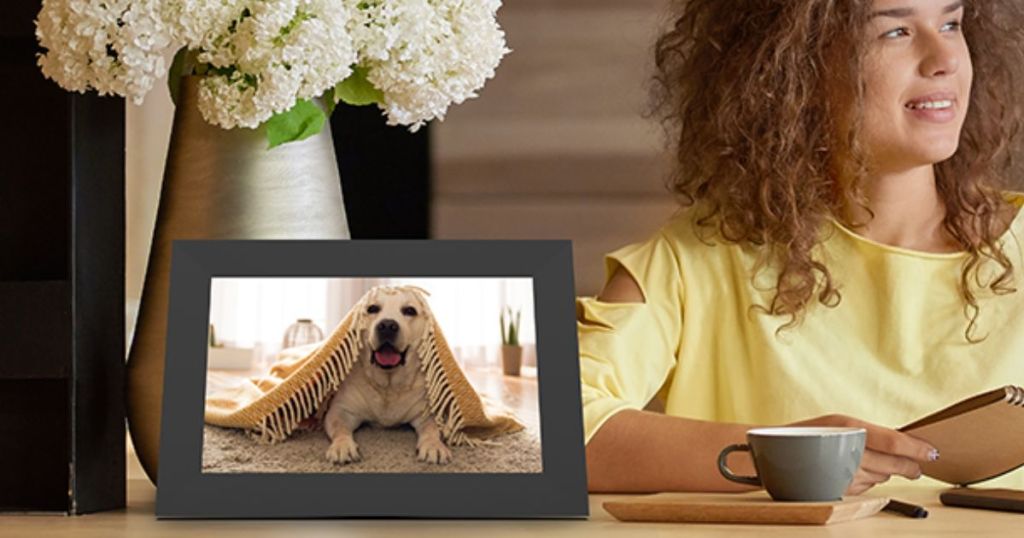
(800, 463)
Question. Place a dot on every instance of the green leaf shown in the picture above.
(504, 339)
(357, 89)
(301, 121)
(175, 73)
(329, 101)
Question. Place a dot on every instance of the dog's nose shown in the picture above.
(387, 328)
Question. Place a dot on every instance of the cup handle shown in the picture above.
(727, 473)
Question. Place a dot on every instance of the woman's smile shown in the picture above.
(938, 107)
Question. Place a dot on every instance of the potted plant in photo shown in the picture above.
(511, 351)
(213, 337)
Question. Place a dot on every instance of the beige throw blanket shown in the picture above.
(298, 385)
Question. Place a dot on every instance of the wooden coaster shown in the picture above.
(756, 507)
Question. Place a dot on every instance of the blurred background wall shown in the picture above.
(556, 147)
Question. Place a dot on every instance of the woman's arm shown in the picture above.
(639, 451)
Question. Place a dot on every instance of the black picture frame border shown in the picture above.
(560, 491)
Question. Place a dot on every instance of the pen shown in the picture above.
(907, 509)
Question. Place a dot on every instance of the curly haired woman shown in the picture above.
(846, 249)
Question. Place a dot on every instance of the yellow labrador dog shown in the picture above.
(386, 386)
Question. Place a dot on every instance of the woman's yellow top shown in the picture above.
(892, 351)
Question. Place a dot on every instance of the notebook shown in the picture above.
(1009, 500)
(978, 438)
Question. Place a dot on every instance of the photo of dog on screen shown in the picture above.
(415, 376)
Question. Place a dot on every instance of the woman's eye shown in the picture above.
(373, 309)
(897, 32)
(409, 311)
(951, 26)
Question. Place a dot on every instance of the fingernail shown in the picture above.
(933, 454)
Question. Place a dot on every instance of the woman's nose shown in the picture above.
(940, 58)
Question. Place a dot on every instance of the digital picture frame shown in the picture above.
(229, 304)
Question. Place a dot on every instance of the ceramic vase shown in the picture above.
(222, 184)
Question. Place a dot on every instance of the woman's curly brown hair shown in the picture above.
(743, 90)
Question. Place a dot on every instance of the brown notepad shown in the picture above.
(979, 438)
(1010, 500)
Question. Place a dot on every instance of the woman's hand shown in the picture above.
(888, 452)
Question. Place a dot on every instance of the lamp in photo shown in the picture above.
(302, 332)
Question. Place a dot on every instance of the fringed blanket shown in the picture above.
(298, 385)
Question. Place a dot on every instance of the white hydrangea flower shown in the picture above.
(113, 47)
(197, 23)
(264, 55)
(280, 52)
(425, 55)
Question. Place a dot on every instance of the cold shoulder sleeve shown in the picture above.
(627, 350)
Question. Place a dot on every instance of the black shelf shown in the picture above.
(385, 174)
(34, 318)
(61, 286)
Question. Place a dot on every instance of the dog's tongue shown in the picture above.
(387, 357)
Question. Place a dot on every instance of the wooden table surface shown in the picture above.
(138, 520)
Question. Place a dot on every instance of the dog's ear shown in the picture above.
(362, 320)
(421, 297)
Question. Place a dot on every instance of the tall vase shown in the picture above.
(222, 184)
